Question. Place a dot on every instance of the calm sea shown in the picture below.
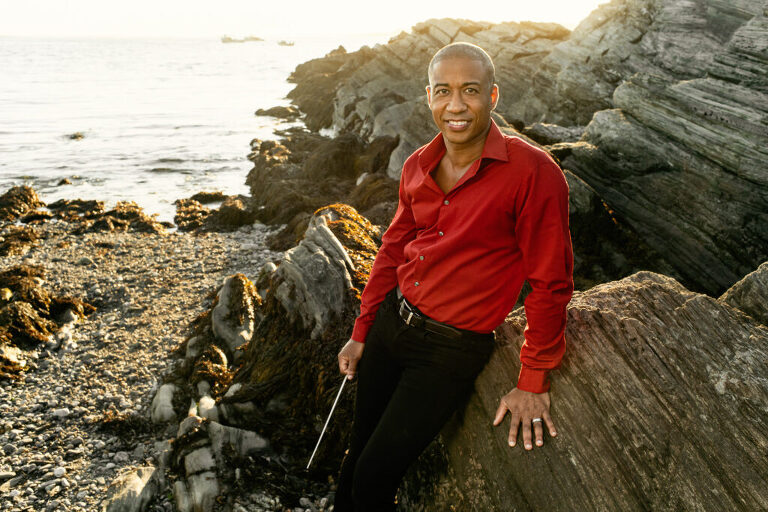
(161, 118)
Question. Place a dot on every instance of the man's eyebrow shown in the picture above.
(463, 85)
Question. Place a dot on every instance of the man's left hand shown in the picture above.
(524, 407)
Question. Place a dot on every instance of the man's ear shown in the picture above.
(494, 96)
(429, 95)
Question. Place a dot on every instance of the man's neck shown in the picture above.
(462, 155)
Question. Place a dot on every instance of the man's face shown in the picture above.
(461, 100)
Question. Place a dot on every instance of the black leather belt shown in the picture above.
(415, 318)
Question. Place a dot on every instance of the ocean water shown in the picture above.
(162, 119)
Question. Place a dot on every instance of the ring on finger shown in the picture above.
(536, 420)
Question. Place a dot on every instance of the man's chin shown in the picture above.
(457, 137)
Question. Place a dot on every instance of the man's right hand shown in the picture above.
(349, 355)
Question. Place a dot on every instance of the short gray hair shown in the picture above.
(465, 50)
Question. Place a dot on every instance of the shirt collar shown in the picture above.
(495, 147)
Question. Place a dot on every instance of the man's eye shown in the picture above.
(441, 91)
(471, 90)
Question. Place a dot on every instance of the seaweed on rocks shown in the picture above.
(125, 216)
(37, 217)
(233, 213)
(17, 201)
(127, 425)
(209, 197)
(16, 239)
(267, 370)
(29, 314)
(190, 214)
(75, 210)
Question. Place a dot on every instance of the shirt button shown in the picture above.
(421, 257)
(416, 283)
(440, 233)
(445, 202)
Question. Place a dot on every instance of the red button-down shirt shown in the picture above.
(462, 257)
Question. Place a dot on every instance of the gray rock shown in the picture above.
(240, 441)
(199, 460)
(121, 457)
(206, 408)
(181, 495)
(131, 492)
(314, 276)
(380, 91)
(162, 405)
(545, 133)
(235, 315)
(203, 489)
(705, 210)
(85, 261)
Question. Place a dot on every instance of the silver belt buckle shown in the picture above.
(402, 308)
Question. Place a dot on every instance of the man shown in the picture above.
(479, 212)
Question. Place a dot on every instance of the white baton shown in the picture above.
(327, 421)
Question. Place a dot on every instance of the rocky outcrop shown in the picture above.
(672, 94)
(255, 376)
(304, 171)
(671, 38)
(660, 405)
(687, 162)
(380, 91)
(647, 360)
(750, 294)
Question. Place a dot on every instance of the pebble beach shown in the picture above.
(78, 418)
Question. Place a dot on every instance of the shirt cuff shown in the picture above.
(360, 331)
(533, 380)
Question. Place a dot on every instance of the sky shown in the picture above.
(283, 19)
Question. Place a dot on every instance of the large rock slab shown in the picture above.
(661, 404)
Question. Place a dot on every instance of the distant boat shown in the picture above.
(227, 39)
(285, 43)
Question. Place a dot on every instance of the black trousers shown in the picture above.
(410, 382)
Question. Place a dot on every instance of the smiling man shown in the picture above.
(479, 212)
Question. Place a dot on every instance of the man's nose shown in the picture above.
(456, 104)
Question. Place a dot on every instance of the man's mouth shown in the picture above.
(457, 124)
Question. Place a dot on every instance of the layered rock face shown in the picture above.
(668, 97)
(660, 405)
(684, 161)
